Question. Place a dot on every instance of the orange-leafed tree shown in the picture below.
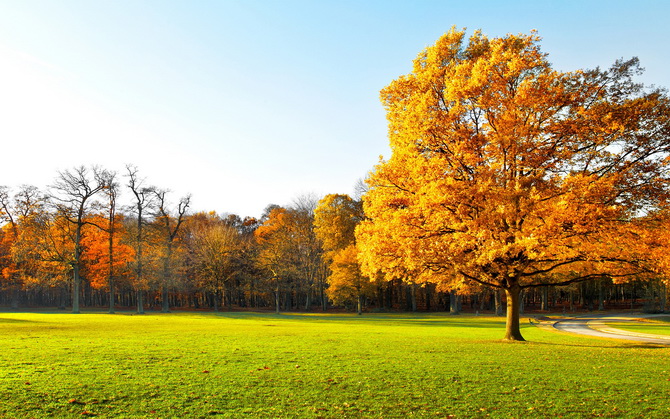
(278, 255)
(335, 221)
(104, 261)
(9, 280)
(26, 218)
(9, 234)
(346, 283)
(511, 174)
(73, 195)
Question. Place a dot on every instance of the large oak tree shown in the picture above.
(511, 174)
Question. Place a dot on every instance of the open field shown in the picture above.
(260, 365)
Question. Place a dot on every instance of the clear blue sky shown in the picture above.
(247, 103)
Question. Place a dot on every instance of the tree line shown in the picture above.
(74, 244)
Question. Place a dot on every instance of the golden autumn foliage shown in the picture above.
(335, 221)
(346, 282)
(274, 237)
(510, 174)
(9, 267)
(96, 252)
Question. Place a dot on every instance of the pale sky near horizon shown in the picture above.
(249, 103)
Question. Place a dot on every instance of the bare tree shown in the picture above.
(168, 223)
(360, 188)
(72, 195)
(144, 199)
(308, 250)
(112, 192)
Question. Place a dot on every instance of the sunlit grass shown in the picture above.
(654, 325)
(261, 365)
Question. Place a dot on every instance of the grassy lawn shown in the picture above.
(654, 325)
(260, 365)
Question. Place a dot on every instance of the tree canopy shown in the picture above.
(511, 174)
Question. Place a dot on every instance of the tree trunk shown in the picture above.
(498, 301)
(76, 285)
(111, 272)
(165, 295)
(428, 296)
(308, 299)
(570, 296)
(413, 297)
(453, 303)
(111, 295)
(322, 295)
(601, 295)
(15, 296)
(359, 304)
(140, 302)
(512, 328)
(545, 298)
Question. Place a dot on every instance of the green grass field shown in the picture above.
(260, 365)
(654, 325)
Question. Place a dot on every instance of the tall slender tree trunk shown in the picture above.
(110, 278)
(229, 294)
(76, 289)
(166, 280)
(512, 328)
(111, 295)
(322, 295)
(165, 294)
(497, 294)
(308, 299)
(140, 302)
(111, 230)
(454, 306)
(359, 305)
(15, 297)
(140, 294)
(428, 296)
(413, 297)
(601, 295)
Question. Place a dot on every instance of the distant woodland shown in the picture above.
(74, 246)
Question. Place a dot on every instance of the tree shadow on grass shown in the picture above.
(376, 320)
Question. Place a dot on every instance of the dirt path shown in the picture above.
(597, 326)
